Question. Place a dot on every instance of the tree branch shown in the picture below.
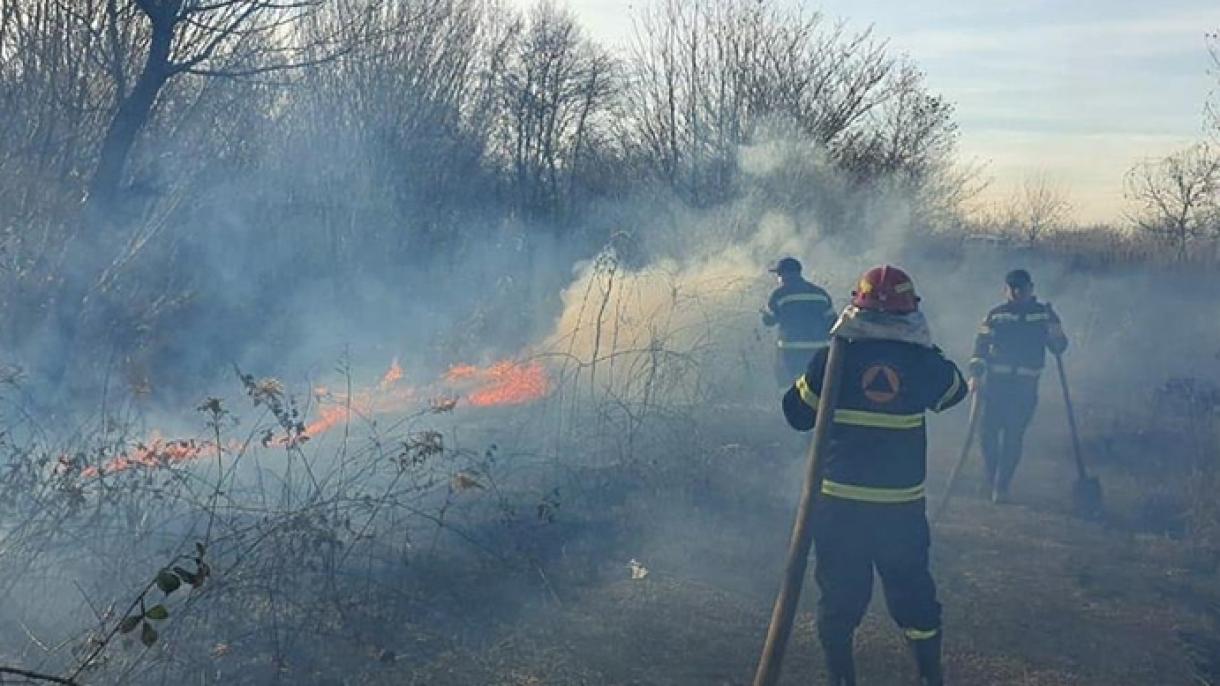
(266, 69)
(25, 673)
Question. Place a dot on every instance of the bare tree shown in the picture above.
(173, 38)
(557, 90)
(1212, 108)
(708, 77)
(1038, 206)
(55, 85)
(910, 132)
(1177, 198)
(375, 145)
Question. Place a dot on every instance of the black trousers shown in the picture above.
(852, 540)
(1008, 408)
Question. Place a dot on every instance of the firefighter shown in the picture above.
(1009, 354)
(804, 314)
(870, 512)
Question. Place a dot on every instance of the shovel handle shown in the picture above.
(784, 611)
(975, 406)
(1071, 417)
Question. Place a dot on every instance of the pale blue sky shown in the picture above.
(1075, 90)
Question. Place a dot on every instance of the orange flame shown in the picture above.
(461, 372)
(383, 400)
(502, 383)
(156, 452)
(392, 376)
(509, 383)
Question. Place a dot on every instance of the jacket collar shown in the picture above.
(857, 324)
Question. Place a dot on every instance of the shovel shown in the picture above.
(1086, 492)
(975, 405)
(784, 611)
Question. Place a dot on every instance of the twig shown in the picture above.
(25, 673)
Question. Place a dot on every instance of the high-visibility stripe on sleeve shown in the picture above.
(807, 395)
(801, 297)
(920, 634)
(878, 420)
(985, 330)
(1019, 371)
(953, 389)
(871, 494)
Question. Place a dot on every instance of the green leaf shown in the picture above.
(167, 581)
(157, 612)
(129, 624)
(148, 635)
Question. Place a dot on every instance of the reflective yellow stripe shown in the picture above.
(920, 634)
(906, 287)
(1037, 317)
(802, 345)
(957, 384)
(802, 297)
(1019, 371)
(1003, 317)
(871, 494)
(878, 420)
(807, 395)
(985, 330)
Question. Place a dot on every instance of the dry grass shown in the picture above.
(1032, 596)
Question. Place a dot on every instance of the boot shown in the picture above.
(840, 666)
(999, 496)
(999, 488)
(927, 659)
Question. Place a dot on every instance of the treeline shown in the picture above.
(154, 151)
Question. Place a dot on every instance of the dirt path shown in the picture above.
(1032, 596)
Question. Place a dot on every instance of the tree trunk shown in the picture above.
(133, 113)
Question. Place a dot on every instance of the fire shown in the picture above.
(154, 453)
(461, 372)
(502, 383)
(392, 376)
(385, 399)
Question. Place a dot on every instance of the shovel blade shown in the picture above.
(1086, 498)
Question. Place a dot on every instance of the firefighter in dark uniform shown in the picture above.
(804, 314)
(1009, 354)
(870, 514)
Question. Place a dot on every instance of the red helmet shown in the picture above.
(886, 289)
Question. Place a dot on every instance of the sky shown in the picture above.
(1071, 91)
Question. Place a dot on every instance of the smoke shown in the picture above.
(310, 265)
(693, 281)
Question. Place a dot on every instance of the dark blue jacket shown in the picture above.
(877, 450)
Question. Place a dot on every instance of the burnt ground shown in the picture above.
(1032, 595)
